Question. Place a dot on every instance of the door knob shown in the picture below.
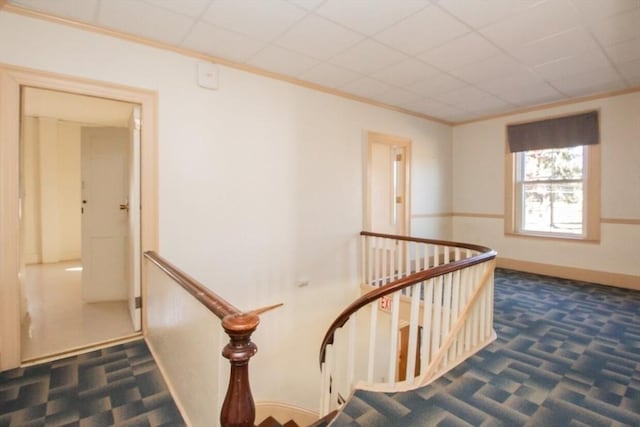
(125, 207)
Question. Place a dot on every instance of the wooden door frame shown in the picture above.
(396, 141)
(12, 79)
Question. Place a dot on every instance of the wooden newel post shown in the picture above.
(238, 409)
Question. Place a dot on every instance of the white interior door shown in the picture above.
(105, 193)
(134, 218)
(387, 187)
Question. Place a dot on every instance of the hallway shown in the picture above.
(57, 320)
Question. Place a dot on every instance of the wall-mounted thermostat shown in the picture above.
(208, 75)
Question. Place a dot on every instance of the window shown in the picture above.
(550, 189)
(552, 180)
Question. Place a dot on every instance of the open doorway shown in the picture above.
(79, 228)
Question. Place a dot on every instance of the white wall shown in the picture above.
(478, 188)
(260, 186)
(51, 190)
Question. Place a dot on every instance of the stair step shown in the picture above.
(272, 422)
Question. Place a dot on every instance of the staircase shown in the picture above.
(272, 422)
(322, 422)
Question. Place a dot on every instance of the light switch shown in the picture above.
(208, 75)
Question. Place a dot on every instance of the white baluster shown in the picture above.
(409, 256)
(437, 315)
(455, 305)
(436, 255)
(393, 341)
(365, 258)
(327, 380)
(446, 307)
(393, 252)
(373, 332)
(427, 331)
(483, 316)
(413, 332)
(351, 357)
(372, 260)
(467, 287)
(380, 250)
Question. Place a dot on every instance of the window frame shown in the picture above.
(591, 201)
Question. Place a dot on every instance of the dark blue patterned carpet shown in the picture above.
(567, 354)
(119, 385)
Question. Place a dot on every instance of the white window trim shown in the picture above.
(591, 201)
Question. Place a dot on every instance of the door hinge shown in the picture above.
(398, 199)
(398, 157)
(138, 302)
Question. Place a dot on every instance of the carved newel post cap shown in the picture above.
(241, 322)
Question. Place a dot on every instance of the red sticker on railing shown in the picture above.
(385, 303)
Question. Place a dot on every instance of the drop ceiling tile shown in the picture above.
(436, 84)
(192, 8)
(498, 66)
(593, 10)
(84, 11)
(366, 87)
(405, 73)
(222, 43)
(528, 94)
(423, 30)
(625, 51)
(461, 51)
(510, 81)
(617, 28)
(306, 4)
(158, 23)
(595, 81)
(479, 13)
(329, 75)
(557, 46)
(539, 21)
(397, 97)
(572, 65)
(368, 56)
(434, 108)
(318, 37)
(281, 60)
(472, 99)
(369, 17)
(631, 70)
(260, 19)
(465, 117)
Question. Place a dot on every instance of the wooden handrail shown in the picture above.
(405, 282)
(238, 408)
(428, 241)
(215, 303)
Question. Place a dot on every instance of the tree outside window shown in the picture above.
(551, 184)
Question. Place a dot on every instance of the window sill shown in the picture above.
(563, 238)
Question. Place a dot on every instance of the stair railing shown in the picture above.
(427, 306)
(238, 408)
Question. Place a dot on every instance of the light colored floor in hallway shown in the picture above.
(59, 320)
